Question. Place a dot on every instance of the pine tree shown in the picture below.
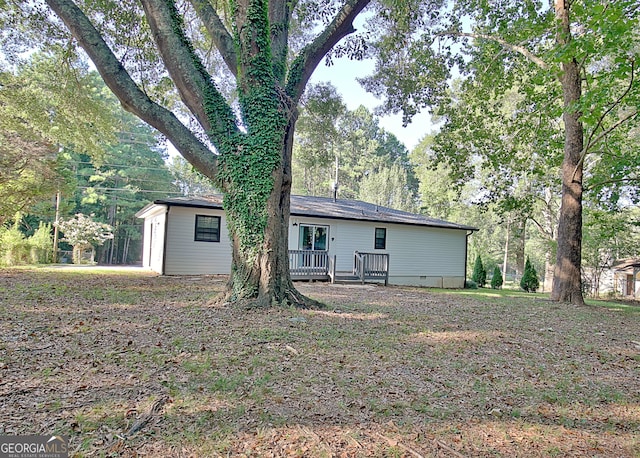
(479, 274)
(529, 281)
(496, 280)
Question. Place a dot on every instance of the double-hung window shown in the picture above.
(207, 228)
(380, 242)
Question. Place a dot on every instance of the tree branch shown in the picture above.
(586, 149)
(305, 64)
(542, 229)
(218, 32)
(591, 141)
(132, 98)
(505, 44)
(279, 20)
(197, 90)
(612, 181)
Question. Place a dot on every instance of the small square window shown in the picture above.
(207, 228)
(381, 238)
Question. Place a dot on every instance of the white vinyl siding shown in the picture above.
(153, 241)
(185, 256)
(418, 255)
(427, 251)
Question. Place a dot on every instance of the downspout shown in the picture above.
(164, 242)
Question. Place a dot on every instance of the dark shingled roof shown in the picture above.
(325, 207)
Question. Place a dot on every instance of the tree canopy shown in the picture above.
(543, 86)
(47, 102)
(155, 57)
(348, 147)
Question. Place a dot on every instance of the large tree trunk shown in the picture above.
(567, 281)
(261, 277)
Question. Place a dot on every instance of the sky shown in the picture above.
(343, 73)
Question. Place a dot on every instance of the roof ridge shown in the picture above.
(327, 207)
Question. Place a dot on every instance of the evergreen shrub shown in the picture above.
(496, 279)
(479, 275)
(529, 281)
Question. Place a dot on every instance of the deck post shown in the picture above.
(332, 273)
(386, 271)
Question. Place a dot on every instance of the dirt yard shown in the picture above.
(131, 364)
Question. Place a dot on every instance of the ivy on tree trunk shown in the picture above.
(251, 159)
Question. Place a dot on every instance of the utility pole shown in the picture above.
(55, 229)
(335, 183)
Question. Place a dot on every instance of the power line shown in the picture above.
(80, 175)
(130, 190)
(124, 166)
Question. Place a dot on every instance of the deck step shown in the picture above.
(346, 275)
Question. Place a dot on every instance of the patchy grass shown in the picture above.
(380, 372)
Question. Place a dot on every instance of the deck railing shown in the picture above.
(308, 263)
(316, 264)
(371, 266)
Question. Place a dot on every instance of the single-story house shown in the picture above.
(626, 277)
(327, 238)
(620, 278)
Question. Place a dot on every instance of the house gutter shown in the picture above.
(466, 254)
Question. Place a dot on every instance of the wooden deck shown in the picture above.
(318, 265)
(308, 265)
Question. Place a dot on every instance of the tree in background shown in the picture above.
(29, 172)
(334, 143)
(46, 102)
(109, 164)
(479, 275)
(189, 181)
(318, 141)
(41, 244)
(572, 65)
(131, 173)
(13, 245)
(609, 236)
(83, 233)
(439, 195)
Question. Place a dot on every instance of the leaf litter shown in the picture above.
(140, 365)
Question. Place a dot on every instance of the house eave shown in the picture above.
(383, 222)
(384, 216)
